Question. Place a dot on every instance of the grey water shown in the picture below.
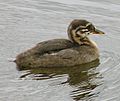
(24, 23)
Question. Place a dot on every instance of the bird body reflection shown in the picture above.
(78, 76)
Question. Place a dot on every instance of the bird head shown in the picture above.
(81, 29)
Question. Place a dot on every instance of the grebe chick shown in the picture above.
(62, 52)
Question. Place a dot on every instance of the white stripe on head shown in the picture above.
(84, 26)
(84, 30)
(77, 28)
(80, 27)
(88, 24)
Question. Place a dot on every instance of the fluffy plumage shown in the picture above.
(62, 52)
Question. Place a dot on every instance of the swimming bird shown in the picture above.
(79, 49)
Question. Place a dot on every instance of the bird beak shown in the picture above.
(98, 32)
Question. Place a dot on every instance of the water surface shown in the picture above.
(28, 22)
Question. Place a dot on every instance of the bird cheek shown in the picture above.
(79, 33)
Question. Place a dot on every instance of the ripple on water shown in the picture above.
(89, 81)
(109, 61)
(110, 71)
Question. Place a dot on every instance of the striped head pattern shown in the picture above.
(80, 29)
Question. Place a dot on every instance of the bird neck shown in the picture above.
(87, 41)
(74, 37)
(80, 39)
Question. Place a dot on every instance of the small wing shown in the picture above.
(51, 46)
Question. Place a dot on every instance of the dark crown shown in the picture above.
(81, 25)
